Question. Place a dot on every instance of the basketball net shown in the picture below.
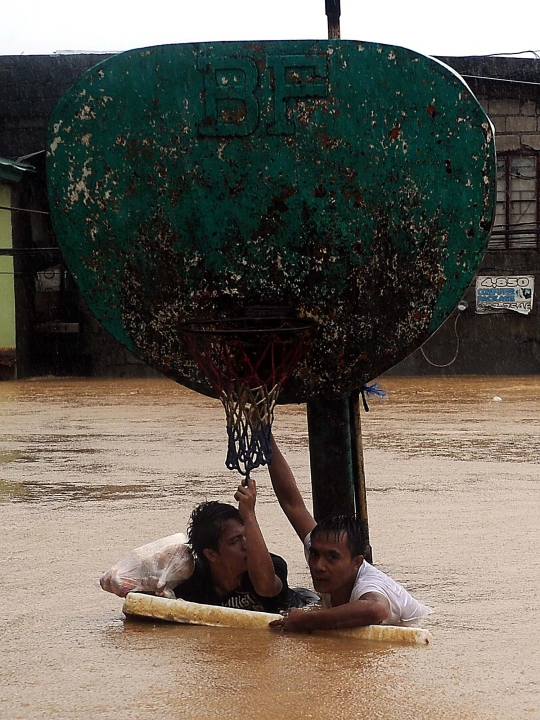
(247, 361)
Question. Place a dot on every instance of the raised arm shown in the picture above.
(260, 566)
(288, 494)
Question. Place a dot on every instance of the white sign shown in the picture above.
(500, 293)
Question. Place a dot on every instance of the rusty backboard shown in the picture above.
(351, 182)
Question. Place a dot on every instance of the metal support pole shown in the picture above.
(333, 11)
(359, 470)
(332, 475)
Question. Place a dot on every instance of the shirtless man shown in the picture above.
(353, 592)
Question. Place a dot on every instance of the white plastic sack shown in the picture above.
(154, 568)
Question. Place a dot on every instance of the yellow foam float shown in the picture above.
(181, 611)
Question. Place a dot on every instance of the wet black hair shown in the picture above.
(206, 525)
(344, 526)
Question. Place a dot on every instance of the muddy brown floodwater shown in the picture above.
(90, 469)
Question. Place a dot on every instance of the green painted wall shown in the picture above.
(7, 291)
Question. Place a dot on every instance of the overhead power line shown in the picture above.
(17, 209)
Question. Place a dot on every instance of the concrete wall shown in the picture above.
(494, 344)
(516, 122)
(505, 344)
(30, 88)
(497, 344)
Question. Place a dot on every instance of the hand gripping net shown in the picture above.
(247, 362)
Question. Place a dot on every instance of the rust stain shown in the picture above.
(395, 132)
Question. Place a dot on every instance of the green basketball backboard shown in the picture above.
(351, 182)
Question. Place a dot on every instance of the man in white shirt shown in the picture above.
(353, 592)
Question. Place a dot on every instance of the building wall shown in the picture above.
(56, 333)
(516, 122)
(30, 88)
(507, 343)
(7, 293)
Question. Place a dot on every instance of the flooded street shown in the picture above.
(90, 469)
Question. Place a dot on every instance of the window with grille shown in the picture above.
(517, 212)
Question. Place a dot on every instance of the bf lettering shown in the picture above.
(238, 98)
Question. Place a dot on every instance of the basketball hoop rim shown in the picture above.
(249, 326)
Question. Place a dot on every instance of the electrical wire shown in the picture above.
(16, 209)
(521, 52)
(506, 80)
(11, 252)
(456, 353)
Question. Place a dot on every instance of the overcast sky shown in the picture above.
(432, 27)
